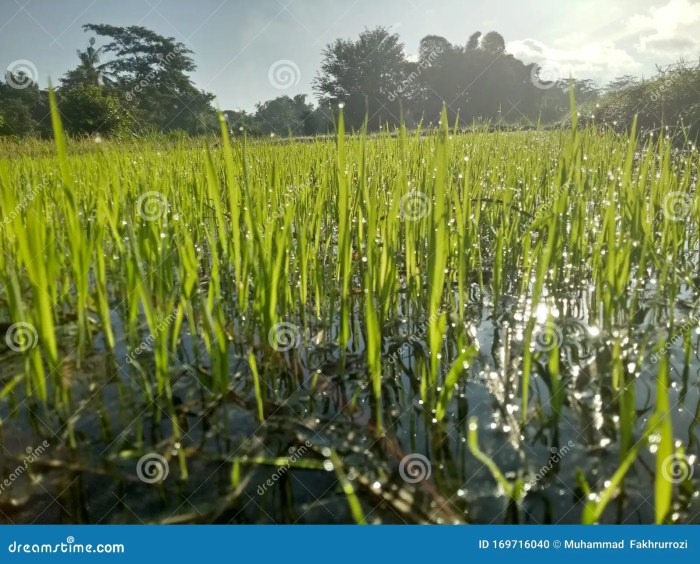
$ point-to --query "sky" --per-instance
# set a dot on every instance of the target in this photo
(250, 51)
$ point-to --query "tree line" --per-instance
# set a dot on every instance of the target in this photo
(137, 82)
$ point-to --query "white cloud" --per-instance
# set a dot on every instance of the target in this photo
(662, 32)
(597, 60)
(669, 30)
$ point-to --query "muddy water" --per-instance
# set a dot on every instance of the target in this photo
(225, 467)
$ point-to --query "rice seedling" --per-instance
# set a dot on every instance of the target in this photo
(385, 298)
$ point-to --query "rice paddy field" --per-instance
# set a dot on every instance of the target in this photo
(411, 327)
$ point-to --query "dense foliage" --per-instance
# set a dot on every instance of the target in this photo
(138, 81)
(668, 101)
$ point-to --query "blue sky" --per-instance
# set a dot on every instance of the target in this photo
(250, 51)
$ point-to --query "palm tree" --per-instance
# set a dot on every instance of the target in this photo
(89, 71)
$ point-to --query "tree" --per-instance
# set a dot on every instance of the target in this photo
(473, 42)
(88, 109)
(493, 43)
(280, 116)
(151, 73)
(89, 72)
(240, 121)
(289, 116)
(667, 100)
(320, 120)
(479, 86)
(366, 75)
(15, 117)
(584, 90)
(431, 46)
(621, 82)
(23, 110)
